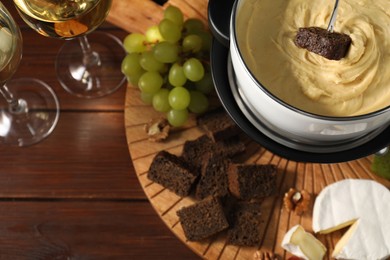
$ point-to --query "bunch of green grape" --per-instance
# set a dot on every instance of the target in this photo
(169, 63)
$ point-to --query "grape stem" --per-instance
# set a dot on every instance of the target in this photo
(186, 55)
(149, 44)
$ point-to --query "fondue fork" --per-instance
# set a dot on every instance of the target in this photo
(333, 17)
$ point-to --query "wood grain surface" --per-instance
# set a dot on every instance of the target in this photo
(139, 15)
(85, 229)
(76, 195)
(276, 221)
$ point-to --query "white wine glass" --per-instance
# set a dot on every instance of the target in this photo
(29, 110)
(91, 66)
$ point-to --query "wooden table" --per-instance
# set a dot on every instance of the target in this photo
(75, 195)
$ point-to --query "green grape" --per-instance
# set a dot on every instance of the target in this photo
(130, 82)
(130, 64)
(193, 69)
(174, 14)
(176, 75)
(193, 25)
(205, 85)
(179, 98)
(153, 34)
(166, 52)
(199, 102)
(160, 100)
(134, 42)
(170, 31)
(150, 82)
(149, 62)
(165, 69)
(192, 43)
(147, 98)
(134, 78)
(177, 117)
(206, 39)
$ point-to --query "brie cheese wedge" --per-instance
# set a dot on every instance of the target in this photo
(364, 205)
(302, 244)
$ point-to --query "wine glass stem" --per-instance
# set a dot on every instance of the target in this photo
(90, 58)
(15, 105)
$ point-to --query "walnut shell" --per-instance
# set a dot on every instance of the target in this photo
(157, 129)
(297, 201)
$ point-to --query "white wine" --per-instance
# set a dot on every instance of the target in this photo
(10, 46)
(63, 18)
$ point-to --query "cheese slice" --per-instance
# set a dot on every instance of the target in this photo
(303, 244)
(364, 205)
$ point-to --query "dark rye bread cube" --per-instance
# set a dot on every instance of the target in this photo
(213, 179)
(194, 150)
(331, 45)
(218, 125)
(245, 222)
(252, 181)
(203, 219)
(172, 172)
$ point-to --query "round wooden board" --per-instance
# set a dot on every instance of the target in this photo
(276, 221)
(134, 16)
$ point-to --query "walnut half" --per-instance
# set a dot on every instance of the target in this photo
(157, 129)
(297, 201)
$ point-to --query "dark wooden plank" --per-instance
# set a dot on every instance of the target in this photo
(86, 230)
(38, 61)
(75, 195)
(85, 157)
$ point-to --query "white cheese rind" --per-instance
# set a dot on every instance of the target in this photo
(292, 248)
(302, 244)
(363, 201)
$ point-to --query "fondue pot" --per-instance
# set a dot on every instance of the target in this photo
(283, 129)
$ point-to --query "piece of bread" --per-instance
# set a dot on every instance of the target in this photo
(245, 225)
(331, 45)
(194, 150)
(252, 181)
(172, 172)
(218, 125)
(213, 178)
(202, 219)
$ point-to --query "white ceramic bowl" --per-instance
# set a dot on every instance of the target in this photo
(293, 123)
